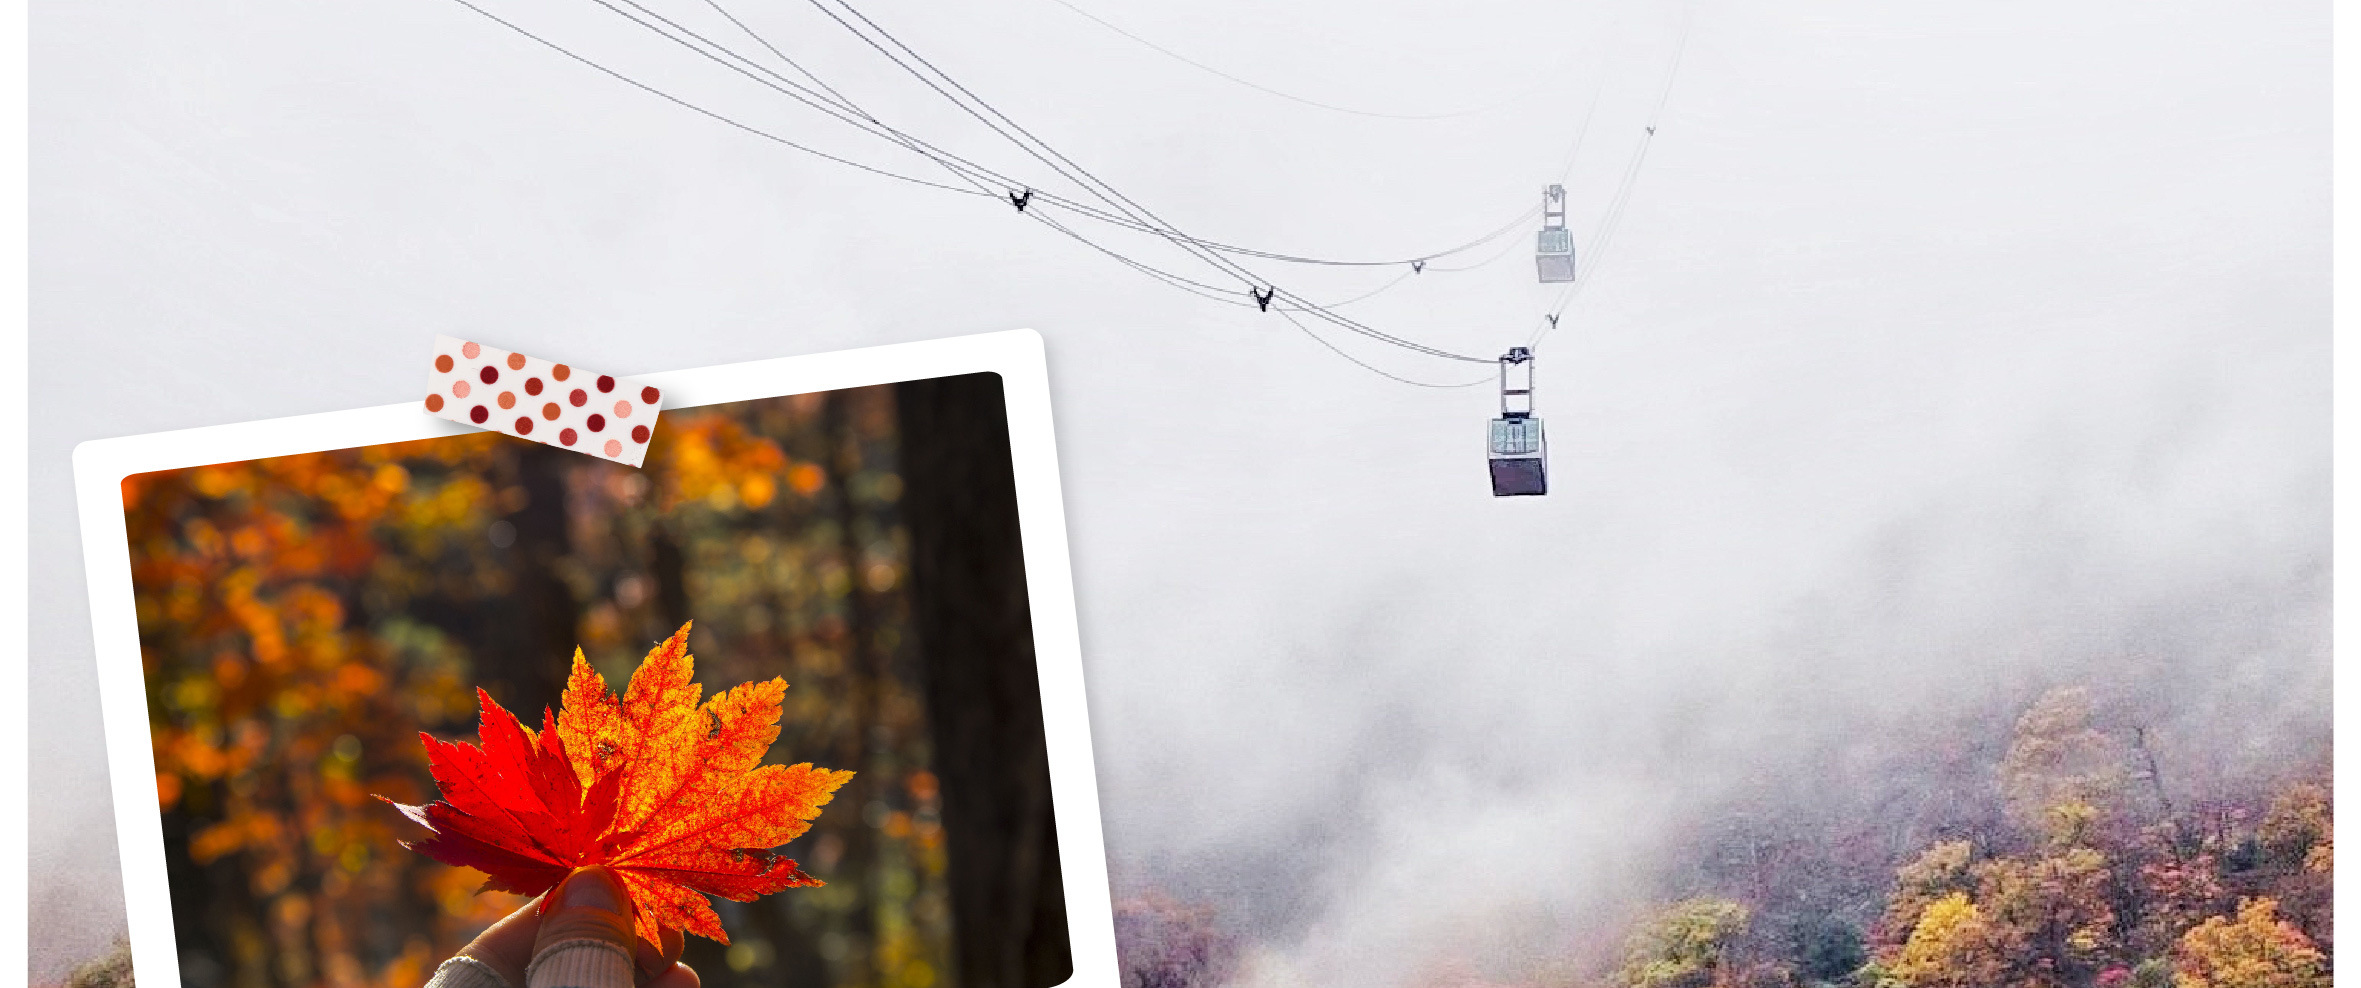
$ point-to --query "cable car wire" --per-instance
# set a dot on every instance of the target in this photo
(1134, 214)
(1060, 201)
(1372, 368)
(837, 105)
(1212, 292)
(833, 103)
(1010, 130)
(840, 100)
(1374, 292)
(1505, 250)
(984, 112)
(1144, 220)
(1612, 222)
(702, 111)
(1250, 84)
(1109, 193)
(1033, 145)
(1498, 232)
(1123, 211)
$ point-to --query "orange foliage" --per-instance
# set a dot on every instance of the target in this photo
(270, 709)
(713, 457)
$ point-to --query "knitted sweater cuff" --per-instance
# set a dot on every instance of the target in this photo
(580, 964)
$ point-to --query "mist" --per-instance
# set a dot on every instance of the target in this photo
(1944, 356)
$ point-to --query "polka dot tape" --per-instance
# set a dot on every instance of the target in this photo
(557, 404)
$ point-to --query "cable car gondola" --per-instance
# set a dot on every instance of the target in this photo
(1555, 253)
(1519, 453)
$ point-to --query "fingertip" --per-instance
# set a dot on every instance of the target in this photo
(593, 888)
(590, 904)
(653, 959)
(680, 976)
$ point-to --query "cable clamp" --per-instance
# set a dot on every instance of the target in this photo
(1263, 298)
(1020, 199)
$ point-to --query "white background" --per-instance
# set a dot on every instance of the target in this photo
(1937, 343)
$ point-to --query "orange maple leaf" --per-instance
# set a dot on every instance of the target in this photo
(669, 794)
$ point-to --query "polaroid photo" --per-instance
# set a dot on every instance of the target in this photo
(281, 608)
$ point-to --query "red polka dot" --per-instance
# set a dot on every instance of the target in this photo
(614, 448)
(605, 384)
(648, 396)
(516, 361)
(597, 423)
(478, 414)
(490, 374)
(532, 385)
(442, 363)
(469, 350)
(566, 436)
(434, 403)
(577, 397)
(639, 433)
(524, 425)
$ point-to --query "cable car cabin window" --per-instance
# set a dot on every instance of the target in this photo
(1516, 437)
(1555, 255)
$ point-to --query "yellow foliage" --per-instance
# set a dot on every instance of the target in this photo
(1953, 946)
(2255, 950)
(2300, 826)
(1682, 944)
(1940, 871)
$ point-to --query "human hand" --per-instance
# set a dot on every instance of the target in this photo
(590, 905)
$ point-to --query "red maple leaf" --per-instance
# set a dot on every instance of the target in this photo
(669, 794)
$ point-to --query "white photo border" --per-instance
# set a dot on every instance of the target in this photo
(1016, 355)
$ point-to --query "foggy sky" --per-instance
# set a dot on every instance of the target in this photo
(1941, 351)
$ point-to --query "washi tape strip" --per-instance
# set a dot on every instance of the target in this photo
(530, 398)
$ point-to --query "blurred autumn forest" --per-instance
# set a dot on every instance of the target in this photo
(2061, 861)
(303, 617)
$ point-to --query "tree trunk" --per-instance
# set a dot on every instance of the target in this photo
(860, 661)
(983, 698)
(532, 634)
